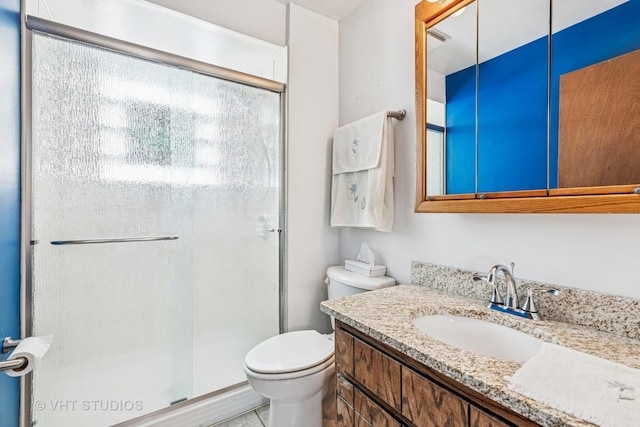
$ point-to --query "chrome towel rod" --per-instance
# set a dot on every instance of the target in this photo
(116, 240)
(400, 115)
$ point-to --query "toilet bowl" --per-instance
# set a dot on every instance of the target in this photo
(294, 369)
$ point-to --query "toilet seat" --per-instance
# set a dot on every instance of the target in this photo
(327, 364)
(289, 352)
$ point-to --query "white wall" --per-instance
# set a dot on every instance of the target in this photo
(312, 245)
(595, 252)
(262, 19)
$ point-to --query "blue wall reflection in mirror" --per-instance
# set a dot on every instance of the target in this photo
(512, 142)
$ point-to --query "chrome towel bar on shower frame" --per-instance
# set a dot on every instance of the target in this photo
(114, 240)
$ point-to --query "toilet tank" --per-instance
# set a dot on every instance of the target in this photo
(343, 283)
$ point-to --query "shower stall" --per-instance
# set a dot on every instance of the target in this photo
(153, 203)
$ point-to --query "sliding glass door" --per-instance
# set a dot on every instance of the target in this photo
(154, 194)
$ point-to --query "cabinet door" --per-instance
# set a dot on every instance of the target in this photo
(428, 405)
(368, 413)
(479, 418)
(378, 373)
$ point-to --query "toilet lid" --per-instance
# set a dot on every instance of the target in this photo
(289, 352)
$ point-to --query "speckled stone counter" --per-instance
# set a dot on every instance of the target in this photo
(387, 315)
(595, 310)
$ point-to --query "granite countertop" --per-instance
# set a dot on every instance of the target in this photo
(387, 315)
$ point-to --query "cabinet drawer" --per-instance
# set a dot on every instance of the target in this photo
(345, 389)
(426, 404)
(480, 418)
(345, 413)
(378, 373)
(344, 352)
(368, 413)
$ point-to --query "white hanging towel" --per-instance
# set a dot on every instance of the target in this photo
(362, 186)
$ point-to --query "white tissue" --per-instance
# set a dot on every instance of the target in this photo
(33, 349)
(366, 255)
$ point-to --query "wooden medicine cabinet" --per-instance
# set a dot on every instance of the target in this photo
(528, 107)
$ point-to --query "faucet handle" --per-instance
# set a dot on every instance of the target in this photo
(479, 277)
(496, 298)
(529, 305)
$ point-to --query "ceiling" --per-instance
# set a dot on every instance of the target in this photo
(335, 9)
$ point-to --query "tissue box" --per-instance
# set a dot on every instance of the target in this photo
(364, 268)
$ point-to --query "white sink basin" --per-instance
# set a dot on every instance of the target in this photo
(479, 336)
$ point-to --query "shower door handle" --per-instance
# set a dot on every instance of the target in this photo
(115, 240)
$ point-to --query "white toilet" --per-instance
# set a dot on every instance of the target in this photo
(294, 370)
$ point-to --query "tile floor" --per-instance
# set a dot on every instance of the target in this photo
(257, 418)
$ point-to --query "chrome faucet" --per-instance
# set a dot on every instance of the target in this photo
(511, 305)
(511, 301)
(496, 296)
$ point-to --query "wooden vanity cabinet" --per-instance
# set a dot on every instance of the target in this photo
(380, 387)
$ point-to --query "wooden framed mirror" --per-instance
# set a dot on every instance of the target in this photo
(536, 110)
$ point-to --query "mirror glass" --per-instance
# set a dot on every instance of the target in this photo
(451, 104)
(506, 118)
(512, 95)
(595, 82)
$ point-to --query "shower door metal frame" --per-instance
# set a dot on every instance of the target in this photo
(31, 24)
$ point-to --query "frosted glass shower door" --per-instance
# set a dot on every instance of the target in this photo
(127, 148)
(235, 255)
